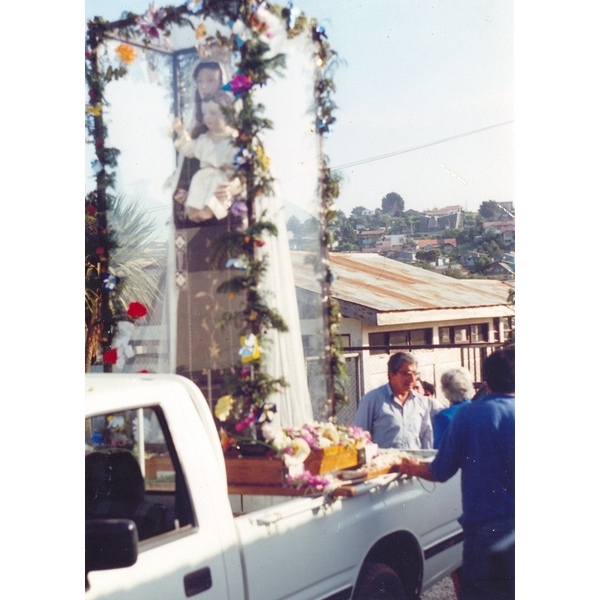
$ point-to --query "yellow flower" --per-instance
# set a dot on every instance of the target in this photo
(93, 110)
(126, 53)
(200, 31)
(223, 407)
(263, 160)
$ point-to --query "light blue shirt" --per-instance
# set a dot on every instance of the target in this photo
(392, 425)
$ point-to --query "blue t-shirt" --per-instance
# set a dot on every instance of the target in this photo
(441, 421)
(480, 440)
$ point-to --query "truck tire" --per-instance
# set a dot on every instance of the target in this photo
(378, 581)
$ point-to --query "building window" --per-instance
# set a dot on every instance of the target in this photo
(464, 334)
(479, 333)
(461, 334)
(380, 342)
(444, 334)
(345, 340)
(509, 328)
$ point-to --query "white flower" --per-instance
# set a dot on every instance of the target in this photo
(330, 432)
(299, 449)
(267, 414)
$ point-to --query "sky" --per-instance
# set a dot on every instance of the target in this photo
(430, 85)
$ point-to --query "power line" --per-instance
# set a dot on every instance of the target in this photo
(448, 139)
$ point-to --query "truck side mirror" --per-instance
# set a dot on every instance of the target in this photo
(109, 544)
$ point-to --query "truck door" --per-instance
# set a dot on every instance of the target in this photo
(133, 472)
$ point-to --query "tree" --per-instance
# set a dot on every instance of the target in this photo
(294, 226)
(490, 210)
(136, 247)
(358, 211)
(481, 262)
(392, 204)
(428, 255)
(310, 227)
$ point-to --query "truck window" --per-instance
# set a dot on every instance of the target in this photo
(132, 472)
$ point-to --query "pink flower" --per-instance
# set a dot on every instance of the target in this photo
(239, 85)
(307, 479)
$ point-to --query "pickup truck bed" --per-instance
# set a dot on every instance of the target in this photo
(220, 545)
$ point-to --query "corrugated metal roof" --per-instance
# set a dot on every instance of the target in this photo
(383, 284)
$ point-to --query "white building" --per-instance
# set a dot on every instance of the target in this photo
(387, 304)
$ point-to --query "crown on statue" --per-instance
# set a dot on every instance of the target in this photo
(214, 50)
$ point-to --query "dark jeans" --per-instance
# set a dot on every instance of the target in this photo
(488, 571)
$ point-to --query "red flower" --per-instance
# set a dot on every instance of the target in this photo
(110, 356)
(91, 210)
(99, 250)
(136, 310)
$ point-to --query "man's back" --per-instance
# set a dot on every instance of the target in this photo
(480, 440)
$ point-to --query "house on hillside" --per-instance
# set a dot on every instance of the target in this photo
(509, 258)
(450, 217)
(367, 238)
(386, 304)
(508, 233)
(500, 269)
(445, 245)
(506, 229)
(469, 259)
(390, 243)
(405, 256)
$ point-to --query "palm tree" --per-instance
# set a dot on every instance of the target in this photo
(135, 249)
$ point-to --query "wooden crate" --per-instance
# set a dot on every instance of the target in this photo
(330, 459)
(255, 471)
(158, 462)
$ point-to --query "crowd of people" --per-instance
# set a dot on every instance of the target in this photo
(473, 433)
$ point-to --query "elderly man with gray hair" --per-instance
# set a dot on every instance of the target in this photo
(457, 386)
(394, 414)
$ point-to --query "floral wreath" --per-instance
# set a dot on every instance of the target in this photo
(249, 21)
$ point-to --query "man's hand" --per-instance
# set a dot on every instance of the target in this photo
(406, 466)
(414, 468)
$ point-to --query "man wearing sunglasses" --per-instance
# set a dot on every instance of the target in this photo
(394, 413)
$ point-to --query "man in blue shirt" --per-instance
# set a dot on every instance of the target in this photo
(394, 414)
(480, 441)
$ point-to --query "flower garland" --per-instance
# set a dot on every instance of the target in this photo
(249, 22)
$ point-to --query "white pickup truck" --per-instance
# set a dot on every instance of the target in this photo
(170, 529)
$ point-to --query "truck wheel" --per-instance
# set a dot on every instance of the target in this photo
(378, 581)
